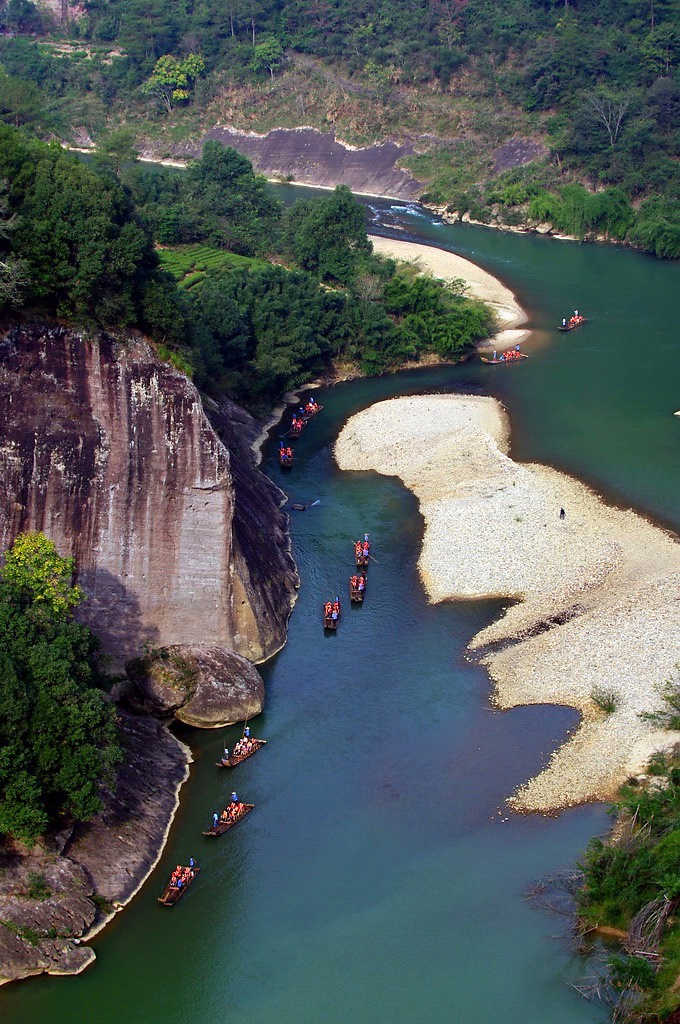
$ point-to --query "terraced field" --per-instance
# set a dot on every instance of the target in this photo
(189, 264)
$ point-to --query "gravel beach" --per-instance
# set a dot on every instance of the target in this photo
(596, 594)
(481, 285)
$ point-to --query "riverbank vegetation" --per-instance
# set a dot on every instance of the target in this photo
(505, 104)
(58, 736)
(254, 299)
(632, 885)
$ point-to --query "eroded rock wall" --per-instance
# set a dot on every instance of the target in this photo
(108, 451)
(318, 158)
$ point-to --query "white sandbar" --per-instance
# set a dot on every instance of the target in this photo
(481, 285)
(597, 592)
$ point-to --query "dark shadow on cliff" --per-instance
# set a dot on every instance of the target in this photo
(113, 614)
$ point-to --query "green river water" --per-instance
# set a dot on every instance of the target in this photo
(379, 878)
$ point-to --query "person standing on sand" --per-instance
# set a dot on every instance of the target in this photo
(562, 514)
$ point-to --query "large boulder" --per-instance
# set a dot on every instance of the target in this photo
(203, 686)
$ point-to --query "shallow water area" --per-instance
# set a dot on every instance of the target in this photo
(380, 877)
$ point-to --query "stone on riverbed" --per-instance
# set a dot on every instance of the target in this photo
(204, 686)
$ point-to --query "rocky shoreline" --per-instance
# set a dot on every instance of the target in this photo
(178, 538)
(57, 896)
(596, 618)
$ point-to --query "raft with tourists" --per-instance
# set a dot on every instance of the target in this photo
(331, 614)
(180, 880)
(311, 409)
(513, 355)
(230, 816)
(362, 553)
(297, 425)
(357, 588)
(244, 748)
(285, 456)
(574, 321)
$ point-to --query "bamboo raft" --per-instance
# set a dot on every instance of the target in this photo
(328, 621)
(173, 893)
(356, 593)
(512, 356)
(573, 323)
(223, 826)
(361, 560)
(235, 759)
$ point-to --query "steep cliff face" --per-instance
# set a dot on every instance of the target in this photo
(108, 451)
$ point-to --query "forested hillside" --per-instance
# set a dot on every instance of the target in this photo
(590, 84)
(251, 298)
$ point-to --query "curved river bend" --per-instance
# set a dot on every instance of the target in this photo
(380, 879)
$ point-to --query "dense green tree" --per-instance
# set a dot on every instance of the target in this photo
(657, 227)
(84, 249)
(230, 205)
(58, 741)
(328, 236)
(267, 55)
(118, 147)
(148, 29)
(20, 101)
(172, 78)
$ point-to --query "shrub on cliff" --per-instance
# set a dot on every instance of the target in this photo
(57, 730)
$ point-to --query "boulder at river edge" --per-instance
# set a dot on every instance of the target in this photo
(204, 686)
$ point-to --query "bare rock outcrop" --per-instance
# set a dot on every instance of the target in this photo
(516, 153)
(55, 894)
(108, 451)
(318, 158)
(205, 687)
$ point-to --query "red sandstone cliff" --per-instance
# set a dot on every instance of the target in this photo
(109, 452)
